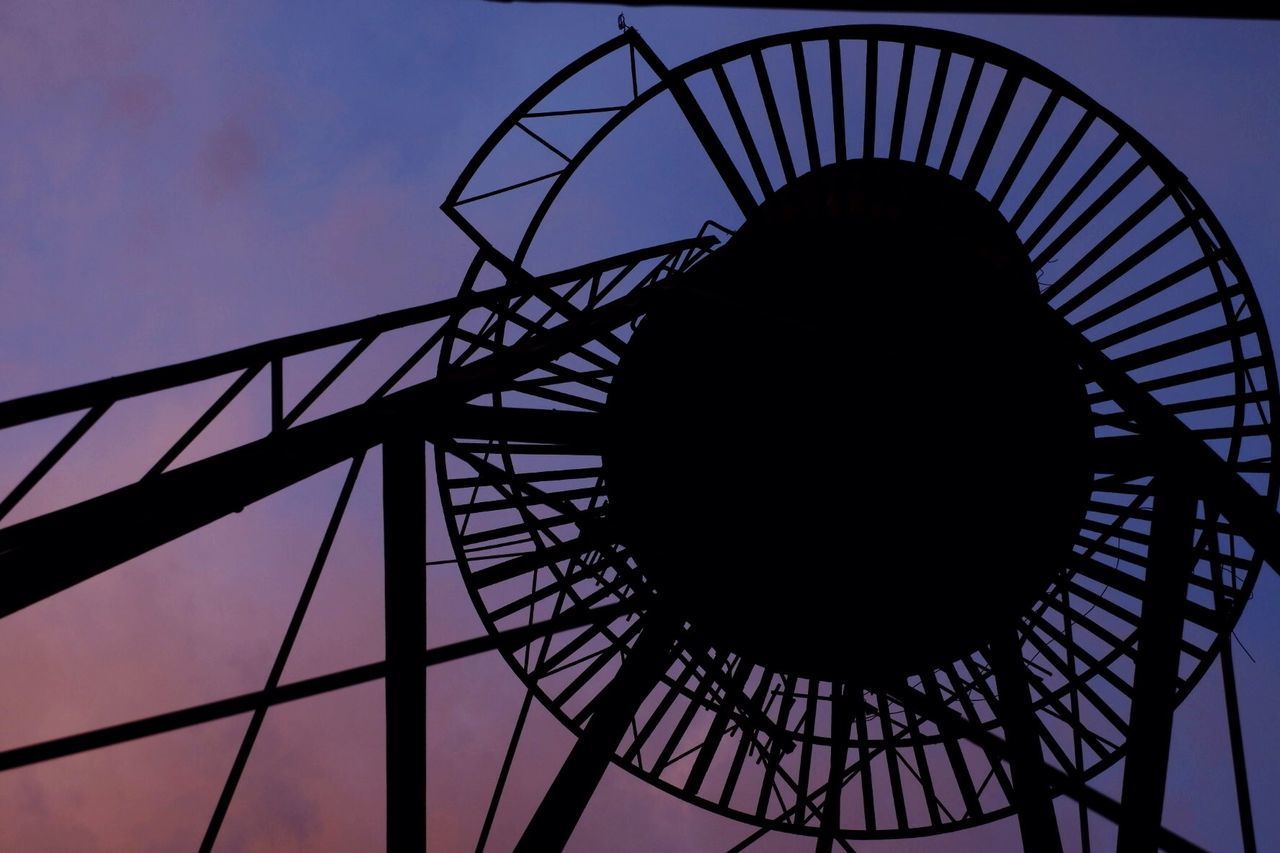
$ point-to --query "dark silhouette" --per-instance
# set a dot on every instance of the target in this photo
(865, 359)
(961, 437)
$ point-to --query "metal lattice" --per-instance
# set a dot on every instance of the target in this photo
(1135, 282)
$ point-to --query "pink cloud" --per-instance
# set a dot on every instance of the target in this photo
(231, 157)
(137, 100)
(50, 45)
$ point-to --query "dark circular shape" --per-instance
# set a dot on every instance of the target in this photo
(747, 488)
(1121, 248)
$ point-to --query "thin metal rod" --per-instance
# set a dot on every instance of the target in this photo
(282, 658)
(51, 458)
(78, 397)
(806, 106)
(837, 99)
(328, 379)
(836, 768)
(900, 102)
(775, 118)
(508, 188)
(962, 115)
(935, 102)
(218, 709)
(578, 112)
(864, 759)
(277, 393)
(1051, 171)
(869, 99)
(1247, 836)
(507, 761)
(193, 432)
(744, 132)
(991, 130)
(1024, 150)
(540, 139)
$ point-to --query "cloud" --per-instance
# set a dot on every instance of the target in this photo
(230, 157)
(137, 100)
(48, 46)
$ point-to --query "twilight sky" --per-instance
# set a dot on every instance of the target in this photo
(180, 178)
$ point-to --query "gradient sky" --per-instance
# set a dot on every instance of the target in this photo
(180, 178)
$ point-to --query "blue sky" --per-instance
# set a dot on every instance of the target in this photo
(177, 179)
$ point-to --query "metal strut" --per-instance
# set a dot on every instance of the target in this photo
(615, 708)
(404, 509)
(1036, 818)
(1155, 676)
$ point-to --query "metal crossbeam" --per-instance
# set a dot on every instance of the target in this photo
(40, 559)
(1175, 448)
(169, 721)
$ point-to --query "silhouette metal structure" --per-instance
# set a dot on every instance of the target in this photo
(913, 498)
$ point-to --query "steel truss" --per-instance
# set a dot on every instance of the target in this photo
(1180, 519)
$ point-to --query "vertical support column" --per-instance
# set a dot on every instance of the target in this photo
(1247, 836)
(1170, 561)
(840, 722)
(615, 708)
(1081, 809)
(1037, 820)
(1231, 698)
(404, 514)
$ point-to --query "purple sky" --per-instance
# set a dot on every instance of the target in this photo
(180, 178)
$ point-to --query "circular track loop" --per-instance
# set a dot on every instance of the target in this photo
(1119, 245)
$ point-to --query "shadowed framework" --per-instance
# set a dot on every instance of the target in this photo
(957, 433)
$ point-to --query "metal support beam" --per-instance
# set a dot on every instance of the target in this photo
(404, 511)
(1244, 804)
(47, 554)
(1171, 445)
(1170, 562)
(840, 723)
(38, 558)
(952, 723)
(220, 709)
(106, 392)
(615, 708)
(1033, 800)
(282, 660)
